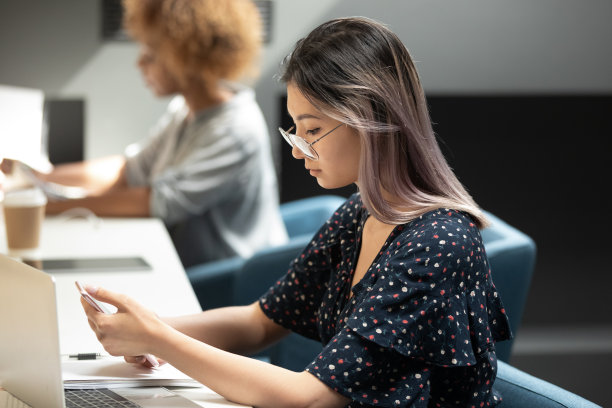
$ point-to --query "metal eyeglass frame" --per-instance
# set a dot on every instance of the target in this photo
(301, 143)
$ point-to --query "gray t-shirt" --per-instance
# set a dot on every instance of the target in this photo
(212, 179)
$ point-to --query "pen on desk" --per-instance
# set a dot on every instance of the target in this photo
(85, 356)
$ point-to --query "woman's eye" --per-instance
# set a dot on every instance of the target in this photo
(313, 132)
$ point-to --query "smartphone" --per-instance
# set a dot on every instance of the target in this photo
(93, 302)
(102, 309)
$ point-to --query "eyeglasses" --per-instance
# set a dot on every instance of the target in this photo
(301, 143)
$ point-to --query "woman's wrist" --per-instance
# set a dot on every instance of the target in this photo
(160, 338)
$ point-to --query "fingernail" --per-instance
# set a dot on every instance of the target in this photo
(91, 289)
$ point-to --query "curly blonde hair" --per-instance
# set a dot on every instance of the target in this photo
(199, 40)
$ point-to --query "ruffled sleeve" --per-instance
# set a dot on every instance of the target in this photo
(430, 296)
(371, 375)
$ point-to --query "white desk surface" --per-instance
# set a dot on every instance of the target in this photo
(165, 289)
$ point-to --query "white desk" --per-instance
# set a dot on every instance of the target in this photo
(165, 289)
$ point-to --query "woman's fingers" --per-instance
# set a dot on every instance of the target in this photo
(107, 296)
(6, 166)
(135, 359)
(89, 311)
(142, 360)
(123, 332)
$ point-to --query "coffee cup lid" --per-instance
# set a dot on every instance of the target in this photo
(31, 197)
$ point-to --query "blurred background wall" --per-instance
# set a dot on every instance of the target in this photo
(520, 92)
(468, 47)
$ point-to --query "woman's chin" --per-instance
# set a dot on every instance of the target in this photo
(326, 184)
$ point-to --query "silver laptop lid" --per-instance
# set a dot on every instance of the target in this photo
(30, 366)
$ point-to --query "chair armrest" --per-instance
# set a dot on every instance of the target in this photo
(519, 390)
(264, 268)
(213, 282)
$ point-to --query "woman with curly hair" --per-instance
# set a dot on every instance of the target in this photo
(206, 170)
(396, 285)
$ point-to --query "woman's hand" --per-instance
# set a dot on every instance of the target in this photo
(129, 332)
(7, 166)
(142, 360)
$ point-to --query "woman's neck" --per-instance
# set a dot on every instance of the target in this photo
(200, 98)
(395, 202)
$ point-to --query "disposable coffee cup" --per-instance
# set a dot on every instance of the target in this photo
(24, 212)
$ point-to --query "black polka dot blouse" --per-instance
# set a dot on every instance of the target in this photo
(420, 327)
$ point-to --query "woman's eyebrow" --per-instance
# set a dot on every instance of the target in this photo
(306, 116)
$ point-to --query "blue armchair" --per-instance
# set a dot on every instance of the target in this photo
(213, 282)
(305, 216)
(521, 390)
(512, 256)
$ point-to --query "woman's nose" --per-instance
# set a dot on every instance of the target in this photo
(140, 62)
(297, 153)
(144, 59)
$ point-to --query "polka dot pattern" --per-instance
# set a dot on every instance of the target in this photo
(419, 329)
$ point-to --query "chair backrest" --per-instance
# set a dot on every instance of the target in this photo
(260, 271)
(302, 219)
(214, 282)
(306, 215)
(512, 256)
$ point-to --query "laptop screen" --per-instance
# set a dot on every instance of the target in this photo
(30, 365)
(22, 126)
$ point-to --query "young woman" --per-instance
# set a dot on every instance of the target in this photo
(206, 169)
(396, 285)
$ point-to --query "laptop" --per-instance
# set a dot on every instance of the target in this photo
(30, 361)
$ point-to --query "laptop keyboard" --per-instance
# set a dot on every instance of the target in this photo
(95, 398)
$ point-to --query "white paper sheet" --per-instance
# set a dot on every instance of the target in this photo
(114, 372)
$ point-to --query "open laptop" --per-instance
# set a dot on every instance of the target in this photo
(30, 361)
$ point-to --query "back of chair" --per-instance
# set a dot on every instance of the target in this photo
(263, 269)
(306, 215)
(512, 256)
(214, 282)
(302, 219)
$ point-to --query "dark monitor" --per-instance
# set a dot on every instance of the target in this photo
(65, 129)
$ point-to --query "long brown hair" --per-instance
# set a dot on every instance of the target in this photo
(357, 71)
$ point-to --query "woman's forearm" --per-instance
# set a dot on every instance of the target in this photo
(134, 331)
(108, 192)
(203, 347)
(241, 379)
(119, 202)
(237, 329)
(95, 175)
